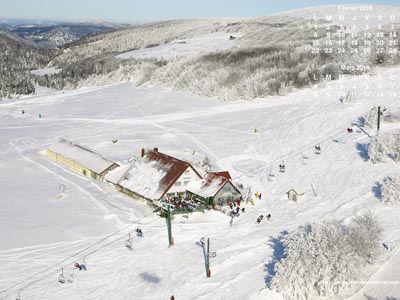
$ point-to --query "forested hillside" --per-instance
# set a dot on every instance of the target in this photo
(16, 59)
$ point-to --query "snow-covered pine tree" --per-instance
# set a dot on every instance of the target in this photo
(383, 146)
(206, 164)
(365, 233)
(371, 117)
(377, 150)
(321, 259)
(391, 190)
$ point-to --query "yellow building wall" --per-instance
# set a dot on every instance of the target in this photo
(71, 164)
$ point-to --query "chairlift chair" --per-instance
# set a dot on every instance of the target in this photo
(70, 278)
(128, 242)
(19, 296)
(318, 149)
(282, 167)
(61, 278)
(139, 232)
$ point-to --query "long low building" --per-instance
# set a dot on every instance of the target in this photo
(81, 159)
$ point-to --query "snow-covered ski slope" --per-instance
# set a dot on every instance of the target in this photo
(184, 48)
(42, 227)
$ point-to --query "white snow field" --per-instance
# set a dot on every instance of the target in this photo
(45, 228)
(185, 47)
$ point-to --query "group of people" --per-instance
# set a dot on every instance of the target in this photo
(261, 217)
(235, 208)
(178, 202)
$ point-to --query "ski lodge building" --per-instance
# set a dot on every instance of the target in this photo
(214, 189)
(154, 176)
(80, 159)
(157, 178)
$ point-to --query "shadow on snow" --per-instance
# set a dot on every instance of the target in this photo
(363, 151)
(279, 253)
(150, 277)
(377, 190)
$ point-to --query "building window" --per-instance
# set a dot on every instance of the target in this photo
(186, 183)
(178, 183)
(84, 172)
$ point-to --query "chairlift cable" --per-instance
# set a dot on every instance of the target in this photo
(64, 260)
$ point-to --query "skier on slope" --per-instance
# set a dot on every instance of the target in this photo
(80, 267)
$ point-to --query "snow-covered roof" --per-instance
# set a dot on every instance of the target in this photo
(116, 175)
(154, 174)
(294, 191)
(210, 185)
(81, 155)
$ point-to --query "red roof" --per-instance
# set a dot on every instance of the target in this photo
(171, 166)
(223, 174)
(212, 183)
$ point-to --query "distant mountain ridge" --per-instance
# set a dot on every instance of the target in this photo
(51, 34)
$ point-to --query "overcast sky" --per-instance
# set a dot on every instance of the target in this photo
(152, 10)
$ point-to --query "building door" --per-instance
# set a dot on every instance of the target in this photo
(84, 172)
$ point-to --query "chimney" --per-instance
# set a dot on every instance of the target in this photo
(155, 149)
(143, 152)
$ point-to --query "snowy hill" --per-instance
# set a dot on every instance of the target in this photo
(234, 59)
(48, 228)
(52, 217)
